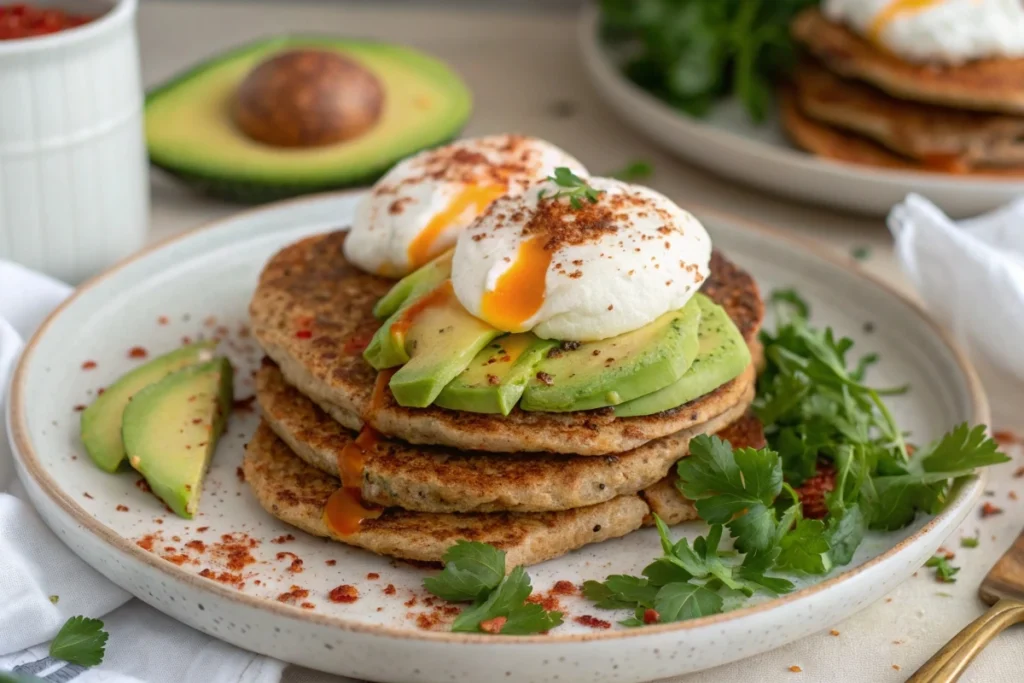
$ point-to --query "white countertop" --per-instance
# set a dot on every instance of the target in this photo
(523, 67)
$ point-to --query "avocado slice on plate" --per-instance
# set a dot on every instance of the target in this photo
(171, 430)
(615, 370)
(722, 356)
(496, 378)
(418, 282)
(226, 126)
(101, 421)
(441, 338)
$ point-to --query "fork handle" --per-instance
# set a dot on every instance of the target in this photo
(949, 662)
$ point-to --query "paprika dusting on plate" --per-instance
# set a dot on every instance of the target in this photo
(25, 21)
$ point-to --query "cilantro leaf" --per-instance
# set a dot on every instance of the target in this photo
(510, 594)
(805, 548)
(80, 641)
(681, 601)
(754, 568)
(632, 589)
(723, 481)
(663, 571)
(530, 618)
(604, 597)
(944, 571)
(471, 571)
(577, 188)
(845, 533)
(963, 448)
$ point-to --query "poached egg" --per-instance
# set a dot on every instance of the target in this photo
(943, 31)
(534, 262)
(420, 206)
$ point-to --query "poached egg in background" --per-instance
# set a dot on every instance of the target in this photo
(417, 210)
(944, 31)
(534, 262)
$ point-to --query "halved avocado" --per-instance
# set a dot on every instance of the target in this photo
(191, 131)
(101, 421)
(171, 430)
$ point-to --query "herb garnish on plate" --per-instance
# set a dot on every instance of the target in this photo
(80, 641)
(576, 189)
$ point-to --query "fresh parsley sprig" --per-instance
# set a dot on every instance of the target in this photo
(475, 572)
(576, 189)
(80, 641)
(944, 571)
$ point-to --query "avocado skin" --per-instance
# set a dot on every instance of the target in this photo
(615, 370)
(474, 394)
(101, 421)
(244, 189)
(722, 357)
(154, 447)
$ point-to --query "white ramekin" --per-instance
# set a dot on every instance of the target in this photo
(74, 188)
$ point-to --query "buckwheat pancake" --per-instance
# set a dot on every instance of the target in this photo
(297, 493)
(443, 479)
(312, 314)
(984, 85)
(939, 137)
(664, 498)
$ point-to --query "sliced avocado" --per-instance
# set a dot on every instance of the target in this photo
(171, 430)
(619, 369)
(387, 348)
(101, 421)
(414, 284)
(441, 338)
(496, 378)
(722, 356)
(191, 132)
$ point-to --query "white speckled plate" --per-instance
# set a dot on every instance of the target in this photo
(200, 285)
(728, 143)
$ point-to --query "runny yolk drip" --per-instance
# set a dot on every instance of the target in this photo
(893, 10)
(437, 296)
(472, 200)
(519, 292)
(345, 510)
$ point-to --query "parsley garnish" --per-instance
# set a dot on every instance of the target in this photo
(636, 170)
(970, 541)
(80, 641)
(944, 571)
(576, 190)
(815, 408)
(475, 572)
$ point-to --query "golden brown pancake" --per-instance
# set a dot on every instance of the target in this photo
(443, 479)
(312, 314)
(297, 493)
(664, 498)
(938, 137)
(983, 85)
(839, 145)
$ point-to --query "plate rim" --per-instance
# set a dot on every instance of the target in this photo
(24, 451)
(595, 57)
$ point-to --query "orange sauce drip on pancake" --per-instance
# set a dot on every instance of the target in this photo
(895, 9)
(345, 510)
(472, 201)
(519, 292)
(435, 297)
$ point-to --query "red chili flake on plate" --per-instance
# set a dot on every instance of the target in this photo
(564, 588)
(87, 495)
(122, 508)
(390, 589)
(493, 625)
(224, 577)
(293, 596)
(651, 616)
(988, 509)
(307, 605)
(137, 352)
(79, 408)
(795, 669)
(303, 334)
(186, 340)
(833, 632)
(146, 542)
(548, 602)
(163, 320)
(143, 485)
(240, 473)
(210, 321)
(197, 546)
(411, 602)
(1005, 437)
(89, 365)
(283, 539)
(1012, 495)
(344, 593)
(373, 576)
(202, 529)
(592, 622)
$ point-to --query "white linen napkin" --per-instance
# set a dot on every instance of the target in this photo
(970, 274)
(34, 565)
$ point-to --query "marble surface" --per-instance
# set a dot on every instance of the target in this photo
(526, 76)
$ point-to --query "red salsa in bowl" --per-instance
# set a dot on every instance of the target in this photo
(20, 20)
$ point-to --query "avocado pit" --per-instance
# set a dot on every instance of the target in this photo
(307, 98)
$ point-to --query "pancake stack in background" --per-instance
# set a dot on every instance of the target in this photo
(338, 455)
(911, 84)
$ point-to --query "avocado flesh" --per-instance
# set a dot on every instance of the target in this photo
(101, 421)
(722, 357)
(496, 378)
(415, 283)
(171, 430)
(442, 340)
(615, 370)
(190, 133)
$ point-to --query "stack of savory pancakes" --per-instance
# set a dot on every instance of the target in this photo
(414, 480)
(919, 84)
